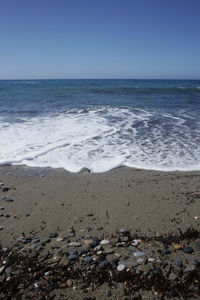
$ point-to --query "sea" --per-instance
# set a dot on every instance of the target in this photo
(100, 124)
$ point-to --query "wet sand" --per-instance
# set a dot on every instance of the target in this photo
(148, 201)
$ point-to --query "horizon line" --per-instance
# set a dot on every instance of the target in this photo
(99, 78)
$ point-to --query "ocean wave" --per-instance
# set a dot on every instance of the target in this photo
(104, 138)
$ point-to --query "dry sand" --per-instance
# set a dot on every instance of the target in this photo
(122, 198)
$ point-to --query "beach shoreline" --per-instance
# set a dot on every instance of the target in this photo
(136, 199)
(78, 224)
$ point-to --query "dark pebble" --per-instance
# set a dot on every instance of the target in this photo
(7, 199)
(124, 231)
(1, 228)
(166, 251)
(7, 216)
(103, 264)
(88, 259)
(46, 241)
(73, 257)
(188, 249)
(89, 214)
(72, 252)
(35, 241)
(27, 215)
(2, 208)
(1, 215)
(108, 293)
(53, 235)
(178, 262)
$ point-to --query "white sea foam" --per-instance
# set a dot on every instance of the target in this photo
(102, 139)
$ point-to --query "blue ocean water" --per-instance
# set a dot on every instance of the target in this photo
(101, 124)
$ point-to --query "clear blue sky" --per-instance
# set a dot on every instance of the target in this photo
(99, 39)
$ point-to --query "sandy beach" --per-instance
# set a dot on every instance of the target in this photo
(41, 201)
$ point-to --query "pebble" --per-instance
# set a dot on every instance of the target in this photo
(7, 216)
(1, 215)
(69, 282)
(27, 215)
(105, 242)
(121, 267)
(72, 252)
(73, 257)
(109, 251)
(177, 247)
(103, 264)
(88, 259)
(75, 244)
(2, 208)
(166, 251)
(89, 214)
(178, 262)
(35, 241)
(59, 239)
(150, 259)
(188, 249)
(53, 235)
(138, 253)
(124, 231)
(1, 228)
(1, 184)
(7, 199)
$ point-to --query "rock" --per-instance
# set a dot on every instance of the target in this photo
(75, 244)
(128, 263)
(89, 214)
(88, 259)
(1, 215)
(1, 228)
(188, 249)
(121, 267)
(103, 264)
(27, 215)
(178, 262)
(124, 231)
(144, 268)
(177, 246)
(69, 282)
(7, 199)
(109, 251)
(35, 240)
(150, 259)
(139, 253)
(157, 270)
(72, 252)
(158, 234)
(196, 261)
(59, 239)
(189, 268)
(53, 235)
(73, 257)
(166, 251)
(105, 242)
(1, 183)
(2, 208)
(7, 216)
(33, 254)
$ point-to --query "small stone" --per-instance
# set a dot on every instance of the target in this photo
(7, 216)
(27, 215)
(89, 214)
(7, 199)
(72, 252)
(1, 228)
(53, 235)
(105, 242)
(88, 259)
(73, 257)
(46, 241)
(157, 270)
(33, 254)
(2, 208)
(158, 234)
(35, 241)
(1, 215)
(124, 231)
(69, 282)
(150, 259)
(166, 251)
(59, 239)
(88, 241)
(5, 249)
(1, 184)
(197, 245)
(189, 268)
(75, 244)
(121, 267)
(139, 253)
(109, 251)
(177, 246)
(188, 249)
(178, 262)
(34, 246)
(103, 264)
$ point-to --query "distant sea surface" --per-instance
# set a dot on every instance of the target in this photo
(100, 124)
